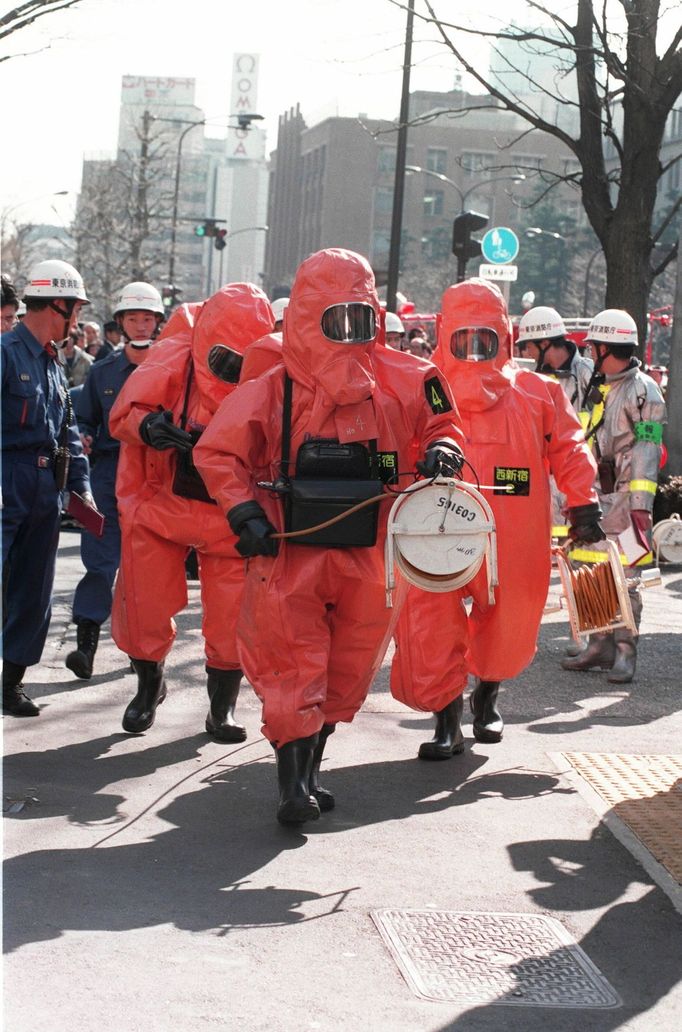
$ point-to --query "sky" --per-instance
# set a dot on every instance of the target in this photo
(333, 56)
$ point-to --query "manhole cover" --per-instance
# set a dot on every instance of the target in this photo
(524, 960)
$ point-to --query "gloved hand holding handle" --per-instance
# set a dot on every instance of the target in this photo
(159, 432)
(442, 458)
(584, 524)
(249, 522)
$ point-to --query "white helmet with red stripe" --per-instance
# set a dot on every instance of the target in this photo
(541, 323)
(613, 327)
(54, 278)
(139, 297)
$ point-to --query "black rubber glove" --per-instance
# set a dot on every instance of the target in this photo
(442, 458)
(584, 524)
(249, 522)
(158, 431)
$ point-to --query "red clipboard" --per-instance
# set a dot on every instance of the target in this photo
(87, 515)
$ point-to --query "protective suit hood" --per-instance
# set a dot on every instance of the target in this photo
(343, 372)
(235, 316)
(182, 320)
(474, 303)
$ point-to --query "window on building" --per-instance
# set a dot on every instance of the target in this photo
(477, 163)
(381, 245)
(433, 202)
(523, 162)
(386, 162)
(437, 160)
(383, 200)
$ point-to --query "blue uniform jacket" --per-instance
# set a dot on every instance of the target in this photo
(33, 402)
(94, 403)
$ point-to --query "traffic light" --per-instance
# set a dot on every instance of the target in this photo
(170, 296)
(207, 228)
(463, 247)
(220, 241)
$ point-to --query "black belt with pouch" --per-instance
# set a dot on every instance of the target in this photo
(330, 479)
(187, 482)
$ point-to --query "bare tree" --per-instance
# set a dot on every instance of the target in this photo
(23, 15)
(123, 217)
(624, 94)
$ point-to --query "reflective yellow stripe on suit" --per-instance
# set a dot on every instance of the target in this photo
(586, 555)
(644, 485)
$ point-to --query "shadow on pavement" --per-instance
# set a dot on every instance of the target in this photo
(584, 876)
(196, 875)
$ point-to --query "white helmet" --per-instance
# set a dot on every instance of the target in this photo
(393, 323)
(139, 297)
(541, 324)
(614, 327)
(54, 278)
(278, 306)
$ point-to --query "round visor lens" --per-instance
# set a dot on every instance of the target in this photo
(474, 344)
(225, 363)
(350, 323)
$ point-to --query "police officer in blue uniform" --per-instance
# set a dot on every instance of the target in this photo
(139, 312)
(41, 456)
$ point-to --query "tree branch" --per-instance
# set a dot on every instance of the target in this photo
(29, 12)
(665, 262)
(507, 102)
(667, 220)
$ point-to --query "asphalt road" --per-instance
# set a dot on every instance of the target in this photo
(148, 886)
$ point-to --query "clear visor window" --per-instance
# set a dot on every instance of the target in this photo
(225, 363)
(350, 323)
(474, 344)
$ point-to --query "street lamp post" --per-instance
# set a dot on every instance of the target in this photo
(176, 194)
(244, 120)
(463, 194)
(399, 182)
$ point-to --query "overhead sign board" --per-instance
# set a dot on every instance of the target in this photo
(499, 272)
(500, 245)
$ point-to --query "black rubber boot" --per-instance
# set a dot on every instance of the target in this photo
(81, 659)
(325, 799)
(15, 702)
(223, 690)
(448, 739)
(488, 724)
(151, 691)
(599, 654)
(625, 662)
(294, 764)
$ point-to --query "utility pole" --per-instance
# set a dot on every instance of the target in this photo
(399, 183)
(141, 213)
(673, 431)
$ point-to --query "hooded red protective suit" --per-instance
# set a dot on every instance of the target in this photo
(518, 426)
(158, 526)
(314, 626)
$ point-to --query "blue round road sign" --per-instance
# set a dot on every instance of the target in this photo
(500, 245)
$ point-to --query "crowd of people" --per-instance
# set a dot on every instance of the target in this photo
(242, 430)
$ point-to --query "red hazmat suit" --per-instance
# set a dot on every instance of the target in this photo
(518, 427)
(314, 626)
(158, 526)
(262, 355)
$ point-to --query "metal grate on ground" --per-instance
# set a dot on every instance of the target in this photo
(521, 960)
(645, 793)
